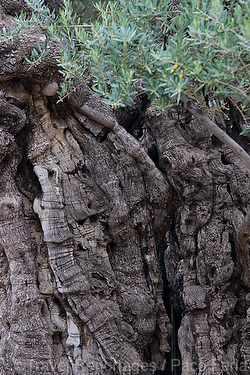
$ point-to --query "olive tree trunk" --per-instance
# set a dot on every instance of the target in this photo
(123, 236)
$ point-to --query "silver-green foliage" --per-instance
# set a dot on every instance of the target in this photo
(143, 46)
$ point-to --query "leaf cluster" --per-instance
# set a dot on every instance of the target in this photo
(143, 46)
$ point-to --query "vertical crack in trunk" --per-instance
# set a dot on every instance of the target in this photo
(28, 329)
(87, 202)
(75, 295)
(200, 267)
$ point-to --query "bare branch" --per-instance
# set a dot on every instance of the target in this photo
(216, 130)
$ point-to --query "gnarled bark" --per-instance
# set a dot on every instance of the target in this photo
(87, 207)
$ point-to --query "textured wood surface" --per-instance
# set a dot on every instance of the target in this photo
(98, 208)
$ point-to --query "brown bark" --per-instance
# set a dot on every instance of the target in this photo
(216, 130)
(87, 209)
(204, 262)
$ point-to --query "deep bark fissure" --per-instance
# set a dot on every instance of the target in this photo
(84, 208)
(180, 255)
(172, 363)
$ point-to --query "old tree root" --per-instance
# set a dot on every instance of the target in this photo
(93, 217)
